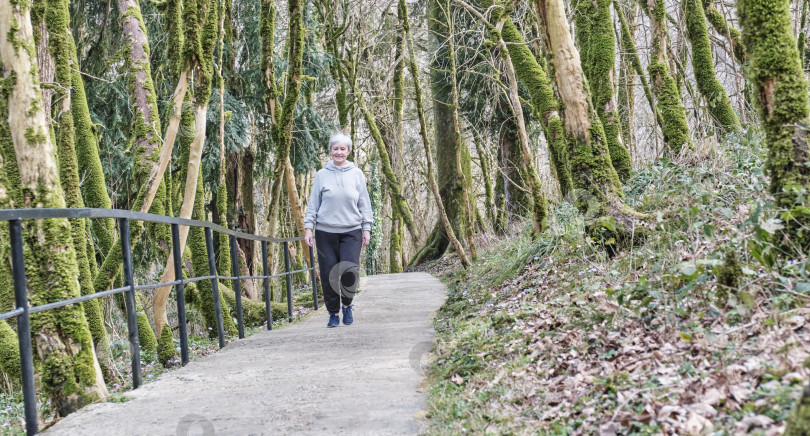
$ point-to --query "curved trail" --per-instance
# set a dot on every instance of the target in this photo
(302, 379)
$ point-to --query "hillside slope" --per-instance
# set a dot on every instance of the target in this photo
(699, 328)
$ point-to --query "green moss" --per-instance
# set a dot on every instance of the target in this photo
(673, 115)
(629, 45)
(598, 56)
(254, 313)
(199, 261)
(703, 66)
(395, 188)
(224, 252)
(176, 38)
(716, 19)
(729, 276)
(87, 155)
(165, 349)
(546, 105)
(781, 90)
(10, 354)
(798, 423)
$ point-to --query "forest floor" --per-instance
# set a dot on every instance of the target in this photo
(301, 379)
(553, 336)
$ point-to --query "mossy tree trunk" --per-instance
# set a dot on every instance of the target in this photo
(423, 132)
(539, 206)
(627, 76)
(629, 46)
(451, 150)
(463, 158)
(61, 46)
(70, 373)
(599, 193)
(597, 42)
(781, 90)
(664, 87)
(391, 179)
(334, 33)
(537, 80)
(703, 66)
(719, 24)
(283, 120)
(398, 147)
(486, 175)
(9, 346)
(201, 34)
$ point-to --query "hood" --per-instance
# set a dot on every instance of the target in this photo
(339, 170)
(342, 169)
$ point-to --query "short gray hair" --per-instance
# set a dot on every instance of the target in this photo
(340, 138)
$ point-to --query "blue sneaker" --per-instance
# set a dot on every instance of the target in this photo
(347, 315)
(334, 320)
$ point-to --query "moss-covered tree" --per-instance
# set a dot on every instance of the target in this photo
(536, 78)
(673, 115)
(402, 9)
(629, 45)
(781, 90)
(597, 42)
(70, 374)
(283, 120)
(200, 25)
(599, 193)
(451, 149)
(719, 23)
(703, 65)
(61, 47)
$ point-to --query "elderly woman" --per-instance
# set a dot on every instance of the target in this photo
(340, 212)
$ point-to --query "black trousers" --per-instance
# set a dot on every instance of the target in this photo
(339, 259)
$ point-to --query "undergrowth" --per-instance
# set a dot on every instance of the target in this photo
(553, 336)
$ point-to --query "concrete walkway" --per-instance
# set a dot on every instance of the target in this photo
(302, 379)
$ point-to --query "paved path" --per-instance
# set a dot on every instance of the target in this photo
(303, 379)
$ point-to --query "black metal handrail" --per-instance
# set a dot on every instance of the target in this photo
(22, 312)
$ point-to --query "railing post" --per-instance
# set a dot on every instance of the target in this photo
(314, 276)
(129, 299)
(237, 287)
(268, 307)
(212, 267)
(23, 328)
(181, 297)
(289, 280)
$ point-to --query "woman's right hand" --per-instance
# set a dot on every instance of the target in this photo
(308, 236)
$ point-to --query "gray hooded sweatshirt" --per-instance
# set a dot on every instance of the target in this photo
(339, 200)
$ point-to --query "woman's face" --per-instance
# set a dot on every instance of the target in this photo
(339, 153)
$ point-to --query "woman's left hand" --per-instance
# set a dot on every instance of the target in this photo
(366, 237)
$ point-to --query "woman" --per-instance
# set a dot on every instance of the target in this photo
(340, 212)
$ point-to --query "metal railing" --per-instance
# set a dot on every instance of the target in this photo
(22, 312)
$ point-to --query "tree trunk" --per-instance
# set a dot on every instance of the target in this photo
(629, 45)
(451, 150)
(391, 179)
(719, 23)
(627, 77)
(600, 197)
(703, 66)
(546, 105)
(420, 109)
(282, 131)
(597, 42)
(9, 345)
(670, 106)
(71, 376)
(61, 46)
(781, 90)
(201, 63)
